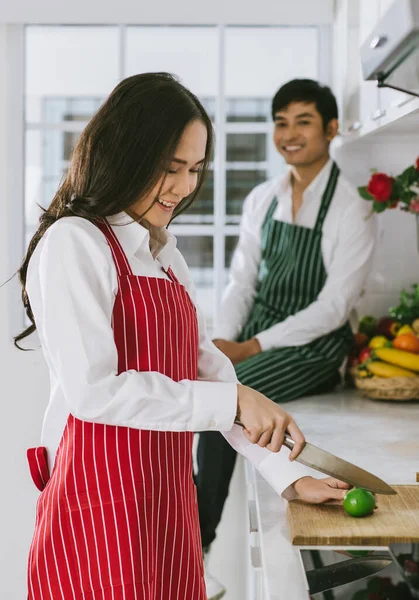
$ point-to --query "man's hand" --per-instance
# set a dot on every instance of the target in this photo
(238, 351)
(317, 491)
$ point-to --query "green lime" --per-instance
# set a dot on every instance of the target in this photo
(359, 502)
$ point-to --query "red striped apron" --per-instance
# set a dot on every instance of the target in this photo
(118, 519)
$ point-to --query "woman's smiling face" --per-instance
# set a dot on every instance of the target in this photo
(178, 182)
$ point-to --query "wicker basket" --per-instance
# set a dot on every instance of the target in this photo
(393, 388)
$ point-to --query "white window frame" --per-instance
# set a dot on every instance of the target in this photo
(218, 230)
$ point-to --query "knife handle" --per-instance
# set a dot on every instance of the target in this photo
(288, 441)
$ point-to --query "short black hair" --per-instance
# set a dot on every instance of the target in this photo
(308, 91)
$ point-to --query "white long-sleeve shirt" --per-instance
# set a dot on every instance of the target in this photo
(72, 284)
(348, 241)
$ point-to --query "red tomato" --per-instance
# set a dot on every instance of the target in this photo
(364, 354)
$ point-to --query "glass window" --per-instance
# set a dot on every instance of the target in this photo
(248, 110)
(198, 252)
(246, 147)
(191, 53)
(70, 70)
(239, 184)
(68, 61)
(202, 210)
(259, 60)
(230, 246)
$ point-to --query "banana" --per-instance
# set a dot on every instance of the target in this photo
(407, 360)
(381, 369)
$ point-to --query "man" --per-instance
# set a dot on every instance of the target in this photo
(303, 257)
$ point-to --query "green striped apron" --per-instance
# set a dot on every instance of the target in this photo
(291, 276)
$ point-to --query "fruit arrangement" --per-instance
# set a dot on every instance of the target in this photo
(385, 359)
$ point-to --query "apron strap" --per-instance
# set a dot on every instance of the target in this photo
(270, 212)
(171, 275)
(38, 466)
(120, 259)
(327, 197)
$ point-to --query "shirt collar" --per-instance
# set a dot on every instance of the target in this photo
(134, 238)
(316, 186)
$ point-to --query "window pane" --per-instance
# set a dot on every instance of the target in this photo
(191, 53)
(202, 210)
(57, 110)
(198, 252)
(230, 245)
(69, 62)
(248, 110)
(46, 162)
(246, 147)
(239, 184)
(262, 59)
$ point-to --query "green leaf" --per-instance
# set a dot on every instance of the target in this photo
(409, 176)
(379, 207)
(362, 191)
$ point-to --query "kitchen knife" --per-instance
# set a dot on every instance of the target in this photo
(347, 571)
(327, 463)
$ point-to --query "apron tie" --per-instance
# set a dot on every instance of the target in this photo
(38, 466)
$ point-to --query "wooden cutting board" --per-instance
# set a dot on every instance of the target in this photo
(395, 520)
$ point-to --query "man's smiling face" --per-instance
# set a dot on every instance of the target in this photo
(300, 135)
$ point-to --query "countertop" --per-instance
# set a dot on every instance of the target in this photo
(382, 437)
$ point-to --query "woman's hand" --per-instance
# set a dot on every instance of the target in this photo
(264, 422)
(317, 491)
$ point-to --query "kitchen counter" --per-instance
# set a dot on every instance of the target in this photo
(381, 437)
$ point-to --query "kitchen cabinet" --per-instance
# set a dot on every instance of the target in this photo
(362, 105)
(369, 97)
(380, 437)
(388, 98)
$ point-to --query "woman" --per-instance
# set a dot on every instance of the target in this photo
(133, 372)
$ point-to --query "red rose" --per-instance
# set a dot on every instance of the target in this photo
(380, 187)
(417, 164)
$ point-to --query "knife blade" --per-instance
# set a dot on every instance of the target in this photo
(347, 571)
(332, 465)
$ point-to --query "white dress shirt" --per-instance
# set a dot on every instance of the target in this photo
(348, 241)
(72, 284)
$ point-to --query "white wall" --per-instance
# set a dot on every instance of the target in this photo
(162, 11)
(396, 264)
(24, 384)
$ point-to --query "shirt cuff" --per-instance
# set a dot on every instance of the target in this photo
(215, 406)
(275, 467)
(281, 473)
(267, 340)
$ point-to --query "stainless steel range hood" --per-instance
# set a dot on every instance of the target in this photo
(390, 54)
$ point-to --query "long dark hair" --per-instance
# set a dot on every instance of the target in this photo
(121, 155)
